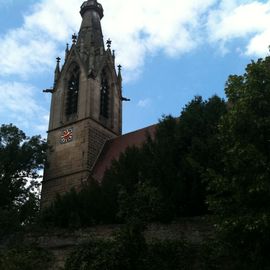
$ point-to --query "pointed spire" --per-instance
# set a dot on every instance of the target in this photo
(113, 57)
(67, 51)
(90, 43)
(57, 70)
(119, 71)
(119, 76)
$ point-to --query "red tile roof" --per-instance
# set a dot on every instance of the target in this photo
(114, 147)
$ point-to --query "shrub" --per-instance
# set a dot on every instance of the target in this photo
(128, 250)
(25, 258)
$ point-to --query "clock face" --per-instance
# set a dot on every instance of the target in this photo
(67, 135)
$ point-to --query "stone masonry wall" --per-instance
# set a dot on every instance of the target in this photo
(62, 242)
(98, 135)
(70, 163)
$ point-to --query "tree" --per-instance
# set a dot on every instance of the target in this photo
(163, 179)
(171, 168)
(181, 153)
(240, 187)
(77, 209)
(21, 159)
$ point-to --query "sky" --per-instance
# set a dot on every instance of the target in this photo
(170, 51)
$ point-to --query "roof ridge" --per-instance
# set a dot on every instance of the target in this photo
(134, 131)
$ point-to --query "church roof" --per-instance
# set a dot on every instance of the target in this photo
(114, 147)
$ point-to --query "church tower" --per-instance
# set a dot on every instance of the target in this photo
(86, 106)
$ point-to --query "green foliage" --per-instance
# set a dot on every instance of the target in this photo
(21, 159)
(240, 189)
(95, 255)
(213, 256)
(213, 150)
(188, 154)
(25, 258)
(125, 251)
(163, 179)
(145, 203)
(129, 251)
(75, 210)
(170, 255)
(173, 165)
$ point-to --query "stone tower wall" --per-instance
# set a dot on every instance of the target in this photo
(98, 135)
(70, 163)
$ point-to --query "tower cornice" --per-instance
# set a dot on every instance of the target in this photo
(92, 5)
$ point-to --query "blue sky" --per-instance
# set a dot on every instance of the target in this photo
(170, 51)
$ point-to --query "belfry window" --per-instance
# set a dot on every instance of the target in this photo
(104, 96)
(73, 91)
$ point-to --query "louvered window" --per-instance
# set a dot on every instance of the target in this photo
(73, 91)
(104, 96)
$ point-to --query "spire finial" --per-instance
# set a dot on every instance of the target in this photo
(74, 38)
(119, 68)
(113, 57)
(119, 74)
(57, 71)
(109, 43)
(67, 51)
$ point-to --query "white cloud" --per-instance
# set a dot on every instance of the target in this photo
(241, 19)
(138, 29)
(144, 103)
(141, 28)
(259, 44)
(43, 125)
(19, 105)
(21, 54)
(54, 18)
(33, 47)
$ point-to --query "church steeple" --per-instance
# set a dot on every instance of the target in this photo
(86, 107)
(90, 42)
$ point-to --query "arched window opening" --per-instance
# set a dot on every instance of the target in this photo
(104, 96)
(73, 91)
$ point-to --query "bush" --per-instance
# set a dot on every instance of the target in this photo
(170, 255)
(95, 255)
(25, 258)
(76, 209)
(128, 250)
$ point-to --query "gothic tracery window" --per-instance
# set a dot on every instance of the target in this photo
(104, 96)
(73, 91)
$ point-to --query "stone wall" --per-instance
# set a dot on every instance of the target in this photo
(97, 137)
(70, 163)
(62, 242)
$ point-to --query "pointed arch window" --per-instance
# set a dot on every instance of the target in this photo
(73, 91)
(104, 96)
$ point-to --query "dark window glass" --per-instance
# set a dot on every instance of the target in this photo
(73, 91)
(104, 96)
